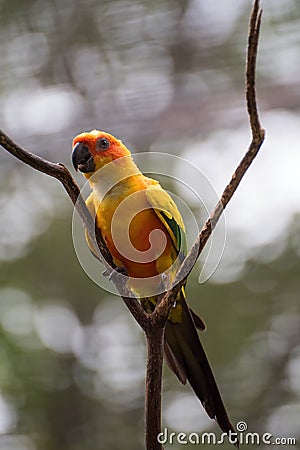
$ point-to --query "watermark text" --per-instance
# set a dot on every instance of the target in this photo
(241, 436)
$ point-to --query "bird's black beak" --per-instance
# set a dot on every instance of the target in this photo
(82, 159)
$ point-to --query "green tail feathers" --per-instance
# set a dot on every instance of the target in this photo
(187, 359)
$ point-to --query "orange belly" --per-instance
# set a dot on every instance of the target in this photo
(135, 236)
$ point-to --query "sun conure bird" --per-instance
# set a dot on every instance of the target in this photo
(144, 233)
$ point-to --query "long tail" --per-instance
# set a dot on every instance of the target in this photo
(187, 359)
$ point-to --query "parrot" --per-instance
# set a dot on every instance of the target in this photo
(129, 208)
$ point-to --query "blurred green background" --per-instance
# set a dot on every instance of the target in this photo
(164, 76)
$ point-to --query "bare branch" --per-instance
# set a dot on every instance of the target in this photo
(258, 135)
(253, 39)
(153, 386)
(162, 309)
(61, 173)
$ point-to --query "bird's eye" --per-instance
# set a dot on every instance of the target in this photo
(103, 144)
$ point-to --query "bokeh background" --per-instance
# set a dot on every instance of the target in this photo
(164, 76)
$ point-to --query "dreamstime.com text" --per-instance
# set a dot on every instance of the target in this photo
(242, 436)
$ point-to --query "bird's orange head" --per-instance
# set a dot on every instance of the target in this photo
(93, 149)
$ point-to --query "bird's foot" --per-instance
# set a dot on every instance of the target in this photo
(117, 272)
(164, 283)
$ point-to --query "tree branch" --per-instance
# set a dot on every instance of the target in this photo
(153, 385)
(258, 135)
(61, 173)
(162, 308)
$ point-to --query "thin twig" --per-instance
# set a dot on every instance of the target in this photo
(258, 134)
(61, 173)
(253, 39)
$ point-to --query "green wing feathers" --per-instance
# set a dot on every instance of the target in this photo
(168, 213)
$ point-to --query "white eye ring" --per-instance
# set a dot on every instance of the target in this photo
(103, 144)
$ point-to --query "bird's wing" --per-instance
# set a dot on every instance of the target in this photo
(167, 211)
